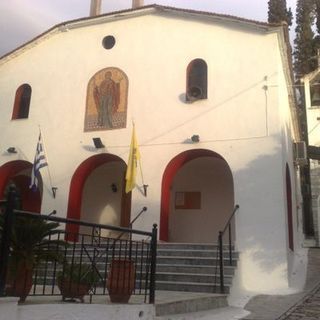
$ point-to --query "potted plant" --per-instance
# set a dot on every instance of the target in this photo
(122, 274)
(32, 241)
(121, 280)
(75, 280)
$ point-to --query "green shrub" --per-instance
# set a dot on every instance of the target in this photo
(78, 273)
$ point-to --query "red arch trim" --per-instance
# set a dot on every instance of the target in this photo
(76, 186)
(30, 200)
(10, 169)
(172, 168)
(289, 208)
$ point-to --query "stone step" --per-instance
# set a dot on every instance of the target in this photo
(193, 269)
(185, 303)
(193, 261)
(169, 259)
(192, 277)
(163, 253)
(174, 268)
(190, 287)
(160, 246)
(193, 253)
(190, 246)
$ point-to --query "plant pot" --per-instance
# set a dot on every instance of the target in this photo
(19, 281)
(73, 290)
(121, 280)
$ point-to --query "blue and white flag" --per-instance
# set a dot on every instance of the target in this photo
(39, 162)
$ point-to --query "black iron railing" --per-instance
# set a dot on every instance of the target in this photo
(96, 231)
(86, 256)
(228, 227)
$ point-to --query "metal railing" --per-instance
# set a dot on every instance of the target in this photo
(221, 250)
(96, 232)
(54, 257)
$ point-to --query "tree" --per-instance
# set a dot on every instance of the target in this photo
(305, 49)
(278, 12)
(305, 61)
(317, 13)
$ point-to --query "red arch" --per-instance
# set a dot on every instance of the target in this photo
(30, 200)
(289, 208)
(172, 168)
(77, 183)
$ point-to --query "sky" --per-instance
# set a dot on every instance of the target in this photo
(22, 20)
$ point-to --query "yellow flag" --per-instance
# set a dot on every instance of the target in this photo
(134, 157)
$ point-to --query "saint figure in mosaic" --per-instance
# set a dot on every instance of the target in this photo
(107, 100)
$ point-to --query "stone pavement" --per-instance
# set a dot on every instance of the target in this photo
(307, 309)
(304, 305)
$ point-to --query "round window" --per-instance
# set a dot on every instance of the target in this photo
(108, 42)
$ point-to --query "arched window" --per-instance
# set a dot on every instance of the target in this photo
(196, 80)
(22, 102)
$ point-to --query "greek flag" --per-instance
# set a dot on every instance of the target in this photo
(39, 162)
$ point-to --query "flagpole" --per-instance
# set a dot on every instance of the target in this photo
(145, 186)
(53, 189)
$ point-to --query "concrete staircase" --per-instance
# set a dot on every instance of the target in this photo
(187, 278)
(180, 267)
(192, 268)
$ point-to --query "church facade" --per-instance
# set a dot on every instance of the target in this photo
(213, 105)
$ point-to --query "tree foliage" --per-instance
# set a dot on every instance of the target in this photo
(306, 41)
(317, 13)
(278, 12)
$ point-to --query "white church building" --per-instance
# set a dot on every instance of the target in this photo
(215, 116)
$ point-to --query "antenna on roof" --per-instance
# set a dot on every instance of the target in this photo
(95, 8)
(137, 3)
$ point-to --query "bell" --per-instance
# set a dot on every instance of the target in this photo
(194, 93)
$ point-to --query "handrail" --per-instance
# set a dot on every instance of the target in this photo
(130, 234)
(228, 222)
(138, 215)
(83, 223)
(220, 243)
(130, 224)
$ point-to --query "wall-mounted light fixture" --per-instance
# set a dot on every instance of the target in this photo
(98, 143)
(12, 150)
(195, 138)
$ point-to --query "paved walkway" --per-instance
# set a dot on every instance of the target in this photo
(294, 306)
(307, 309)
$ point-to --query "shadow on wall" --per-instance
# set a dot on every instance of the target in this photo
(262, 231)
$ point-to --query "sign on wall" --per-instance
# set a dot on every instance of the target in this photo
(188, 200)
(107, 94)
